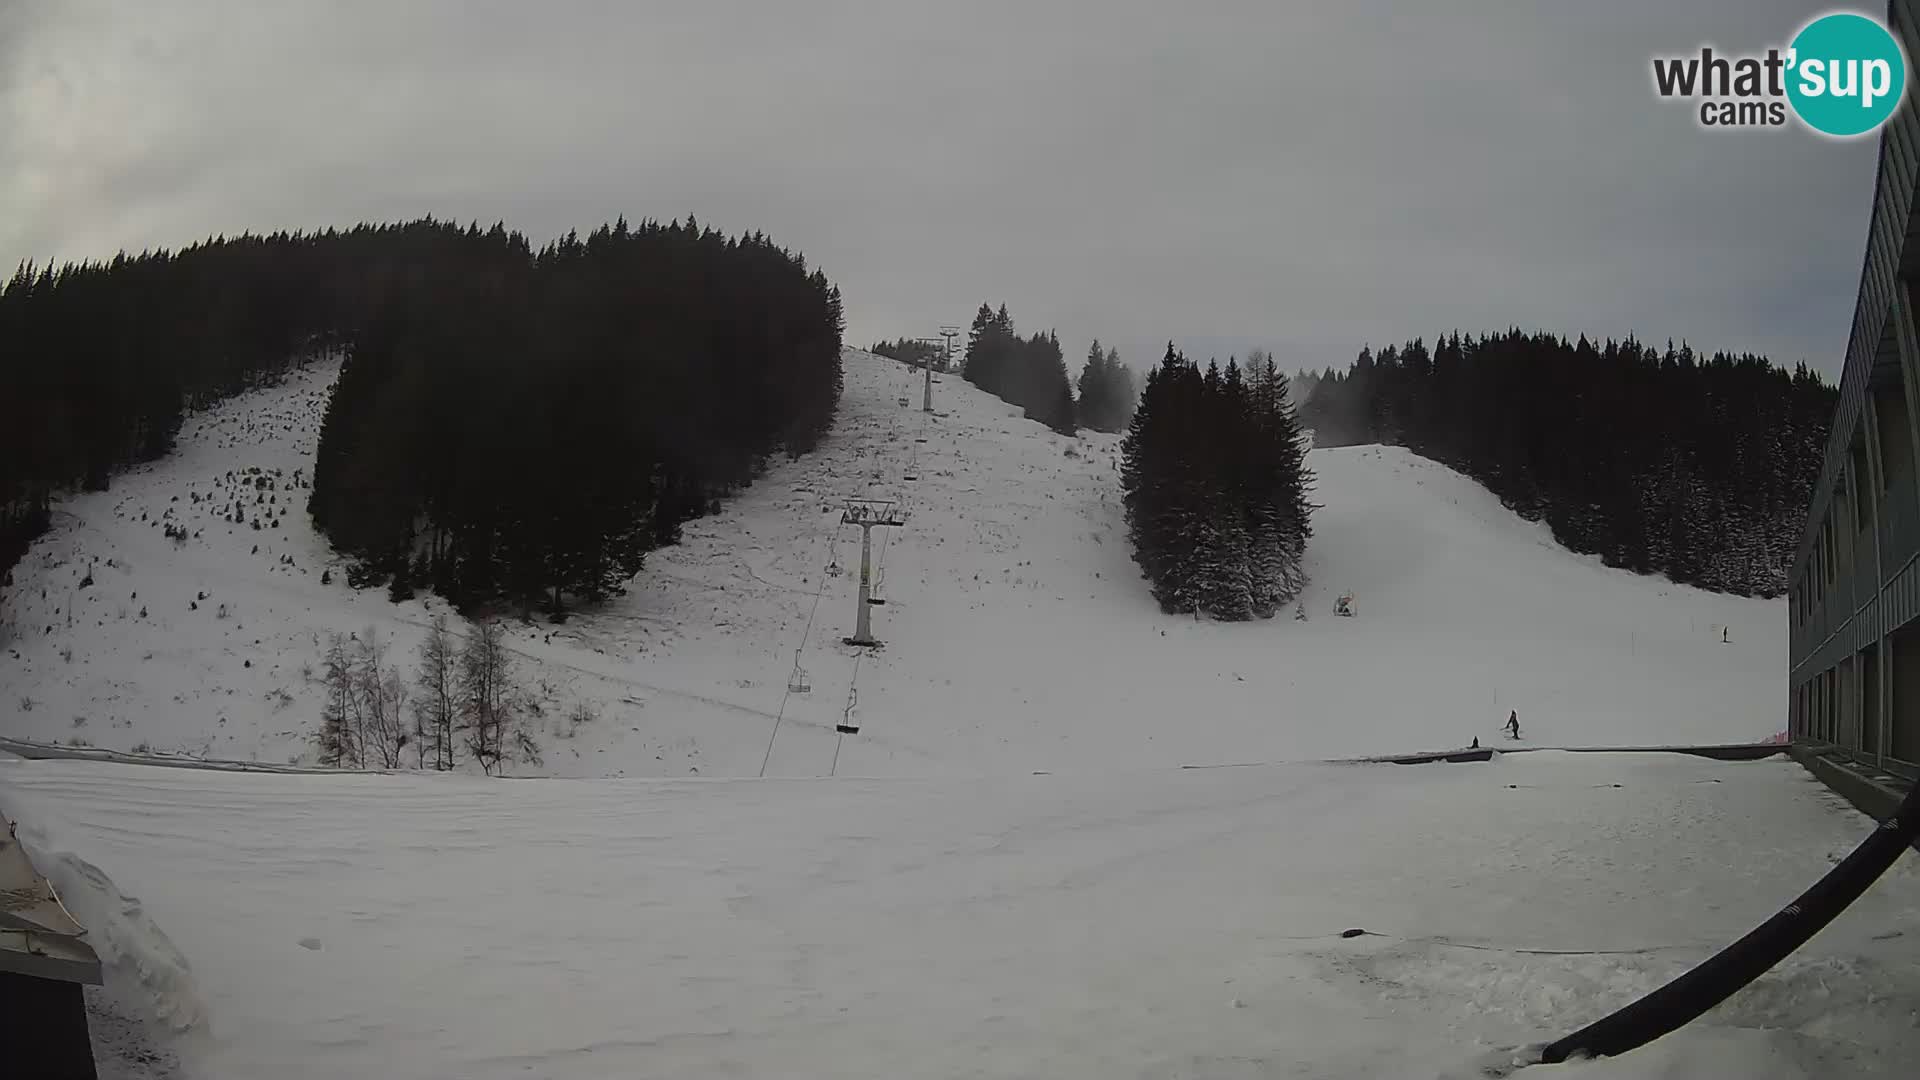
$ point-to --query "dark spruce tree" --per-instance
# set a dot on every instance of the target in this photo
(1061, 415)
(1157, 491)
(988, 361)
(1106, 391)
(1224, 553)
(1215, 487)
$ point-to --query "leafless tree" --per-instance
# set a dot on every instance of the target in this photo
(486, 697)
(439, 683)
(339, 734)
(382, 701)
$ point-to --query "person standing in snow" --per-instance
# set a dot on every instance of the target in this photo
(1513, 724)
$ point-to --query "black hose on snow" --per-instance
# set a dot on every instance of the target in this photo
(1733, 967)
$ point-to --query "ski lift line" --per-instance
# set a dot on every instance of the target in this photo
(798, 682)
(788, 694)
(840, 730)
(853, 681)
(778, 716)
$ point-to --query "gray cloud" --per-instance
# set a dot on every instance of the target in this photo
(1232, 176)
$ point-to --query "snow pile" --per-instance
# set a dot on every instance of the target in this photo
(150, 1000)
(1162, 923)
(1019, 634)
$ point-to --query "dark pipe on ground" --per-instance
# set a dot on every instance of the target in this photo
(1687, 997)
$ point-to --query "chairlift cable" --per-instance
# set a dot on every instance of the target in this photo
(833, 544)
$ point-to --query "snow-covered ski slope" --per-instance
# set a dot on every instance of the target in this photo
(1165, 923)
(939, 910)
(1019, 636)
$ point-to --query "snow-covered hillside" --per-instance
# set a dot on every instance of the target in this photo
(940, 909)
(1167, 923)
(1018, 634)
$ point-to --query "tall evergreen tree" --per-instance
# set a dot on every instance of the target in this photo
(1155, 483)
(1215, 487)
(1106, 390)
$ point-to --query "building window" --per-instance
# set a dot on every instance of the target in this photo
(1896, 437)
(1861, 487)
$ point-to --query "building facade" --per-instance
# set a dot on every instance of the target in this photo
(1854, 601)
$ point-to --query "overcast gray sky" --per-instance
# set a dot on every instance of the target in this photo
(1301, 177)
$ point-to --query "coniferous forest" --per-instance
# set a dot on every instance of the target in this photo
(1107, 390)
(1030, 372)
(911, 352)
(509, 425)
(1697, 468)
(1216, 485)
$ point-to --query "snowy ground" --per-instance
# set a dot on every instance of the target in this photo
(1010, 877)
(1019, 634)
(1161, 923)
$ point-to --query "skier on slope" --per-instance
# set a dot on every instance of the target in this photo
(1513, 724)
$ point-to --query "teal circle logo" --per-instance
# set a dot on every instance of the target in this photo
(1846, 74)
